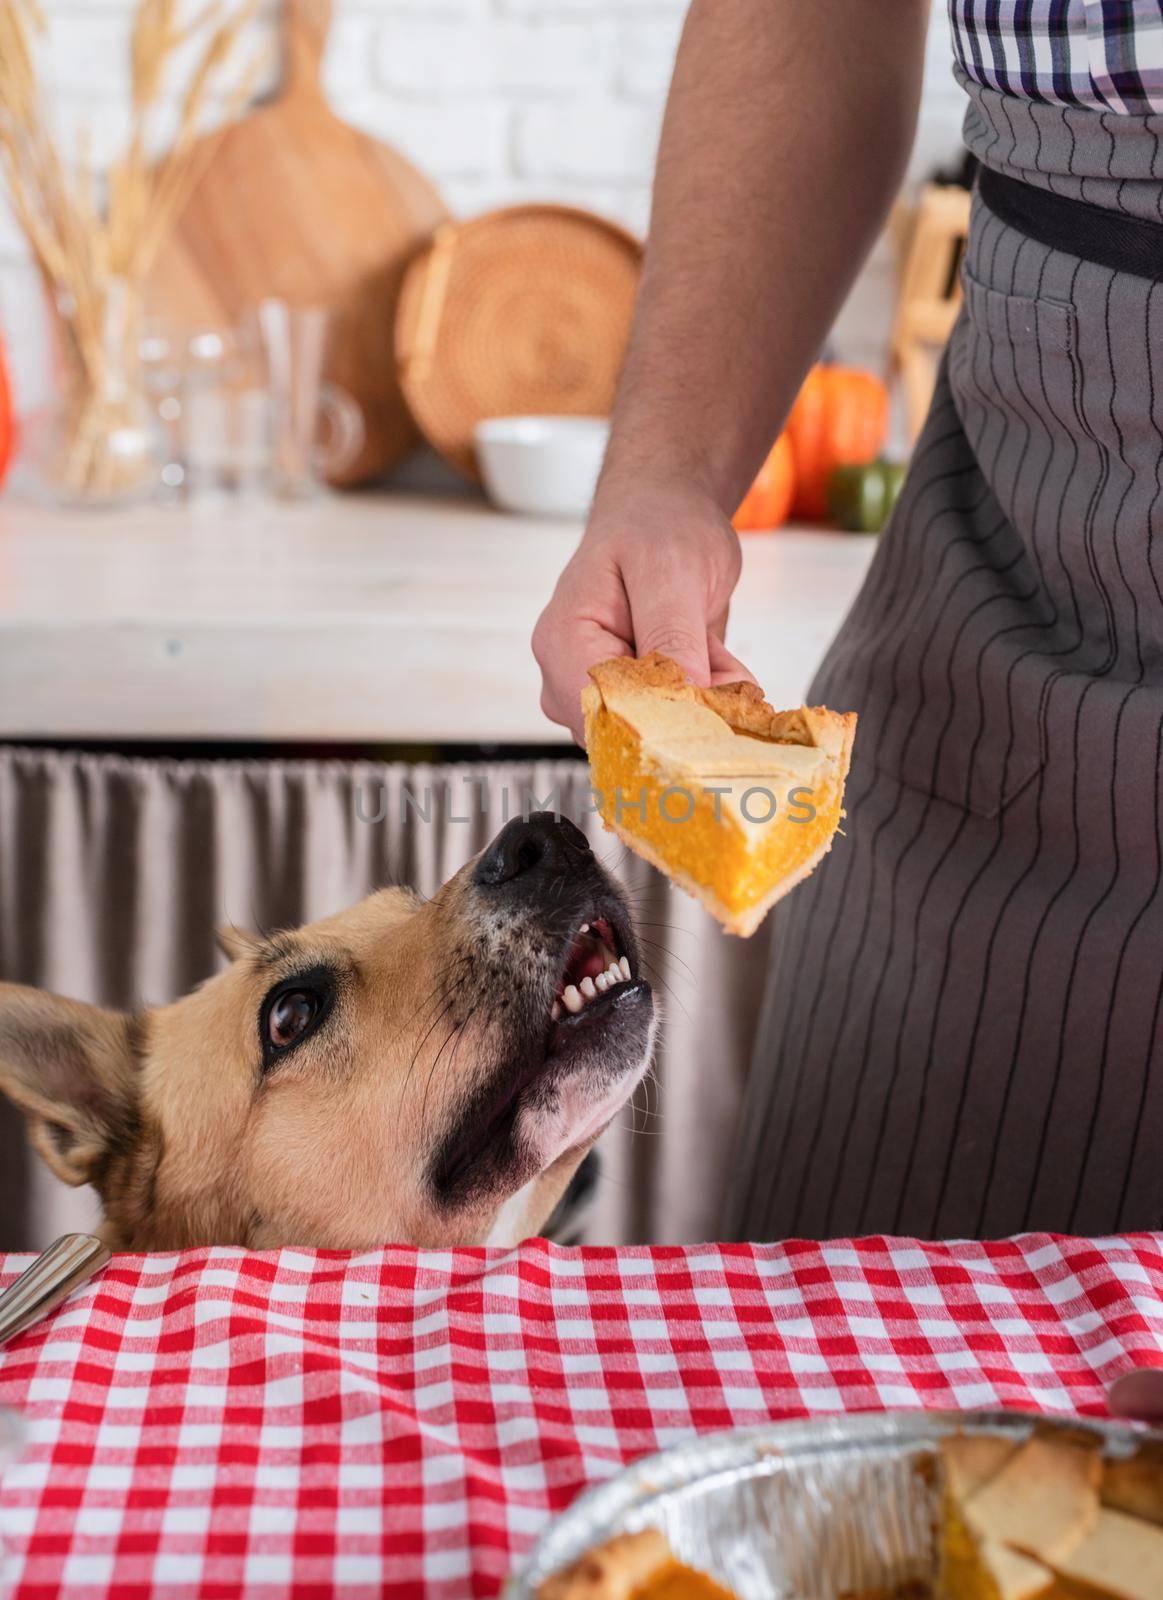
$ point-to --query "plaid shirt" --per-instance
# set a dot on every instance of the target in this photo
(1107, 54)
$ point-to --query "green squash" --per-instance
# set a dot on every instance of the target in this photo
(860, 498)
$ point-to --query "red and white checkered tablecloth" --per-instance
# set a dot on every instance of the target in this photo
(223, 1423)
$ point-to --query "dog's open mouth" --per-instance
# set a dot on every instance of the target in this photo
(597, 986)
(597, 1034)
(595, 964)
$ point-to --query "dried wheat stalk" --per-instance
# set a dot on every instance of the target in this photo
(83, 242)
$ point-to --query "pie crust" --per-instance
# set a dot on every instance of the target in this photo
(1050, 1519)
(633, 1566)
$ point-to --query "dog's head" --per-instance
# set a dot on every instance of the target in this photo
(428, 1072)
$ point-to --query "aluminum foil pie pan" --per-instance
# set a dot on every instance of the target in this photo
(804, 1510)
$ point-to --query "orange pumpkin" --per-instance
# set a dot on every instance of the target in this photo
(840, 419)
(768, 501)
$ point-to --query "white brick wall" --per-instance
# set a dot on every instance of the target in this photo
(499, 100)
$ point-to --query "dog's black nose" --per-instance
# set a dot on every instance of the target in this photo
(544, 843)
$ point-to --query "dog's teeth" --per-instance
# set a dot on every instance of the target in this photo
(614, 972)
(602, 982)
(571, 1000)
(585, 928)
(624, 965)
(555, 1011)
(587, 988)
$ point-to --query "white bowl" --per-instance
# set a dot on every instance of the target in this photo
(542, 466)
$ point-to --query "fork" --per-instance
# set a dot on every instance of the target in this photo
(67, 1263)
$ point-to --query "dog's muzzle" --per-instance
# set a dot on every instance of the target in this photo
(576, 1020)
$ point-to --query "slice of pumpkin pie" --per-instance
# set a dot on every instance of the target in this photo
(1035, 1522)
(633, 1566)
(734, 801)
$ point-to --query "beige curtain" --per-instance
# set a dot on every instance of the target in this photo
(115, 872)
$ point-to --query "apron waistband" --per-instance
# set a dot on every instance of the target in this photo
(1108, 238)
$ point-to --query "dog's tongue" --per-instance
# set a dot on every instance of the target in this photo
(585, 963)
(587, 956)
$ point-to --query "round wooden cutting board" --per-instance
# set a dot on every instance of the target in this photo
(295, 204)
(523, 310)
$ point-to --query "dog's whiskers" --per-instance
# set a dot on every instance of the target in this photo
(442, 991)
(435, 1023)
(669, 927)
(656, 977)
(455, 1032)
(649, 1082)
(664, 950)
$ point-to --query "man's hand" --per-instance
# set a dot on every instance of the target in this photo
(655, 571)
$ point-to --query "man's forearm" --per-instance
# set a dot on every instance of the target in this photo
(786, 137)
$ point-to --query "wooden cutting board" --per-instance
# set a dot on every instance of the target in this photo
(294, 203)
(525, 310)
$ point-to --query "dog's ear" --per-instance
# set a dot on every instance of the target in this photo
(72, 1070)
(235, 942)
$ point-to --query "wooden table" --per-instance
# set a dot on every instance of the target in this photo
(370, 619)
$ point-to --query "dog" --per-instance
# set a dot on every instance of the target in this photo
(426, 1072)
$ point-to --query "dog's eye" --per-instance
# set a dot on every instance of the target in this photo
(290, 1017)
(292, 1011)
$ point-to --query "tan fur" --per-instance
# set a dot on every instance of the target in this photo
(186, 1139)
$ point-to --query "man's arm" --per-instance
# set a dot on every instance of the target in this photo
(786, 136)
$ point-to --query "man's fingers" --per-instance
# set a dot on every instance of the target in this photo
(725, 668)
(675, 626)
(1137, 1394)
(567, 653)
(558, 707)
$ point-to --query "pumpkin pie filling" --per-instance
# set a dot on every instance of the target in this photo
(736, 802)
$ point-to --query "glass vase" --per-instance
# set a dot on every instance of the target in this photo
(100, 446)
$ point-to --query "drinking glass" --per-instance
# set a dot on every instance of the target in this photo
(294, 343)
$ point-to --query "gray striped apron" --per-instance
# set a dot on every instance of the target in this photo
(963, 1030)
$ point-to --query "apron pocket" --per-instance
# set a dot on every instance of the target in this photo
(947, 670)
(944, 652)
(969, 733)
(950, 647)
(1018, 320)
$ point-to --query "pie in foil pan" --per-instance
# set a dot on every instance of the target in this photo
(876, 1506)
